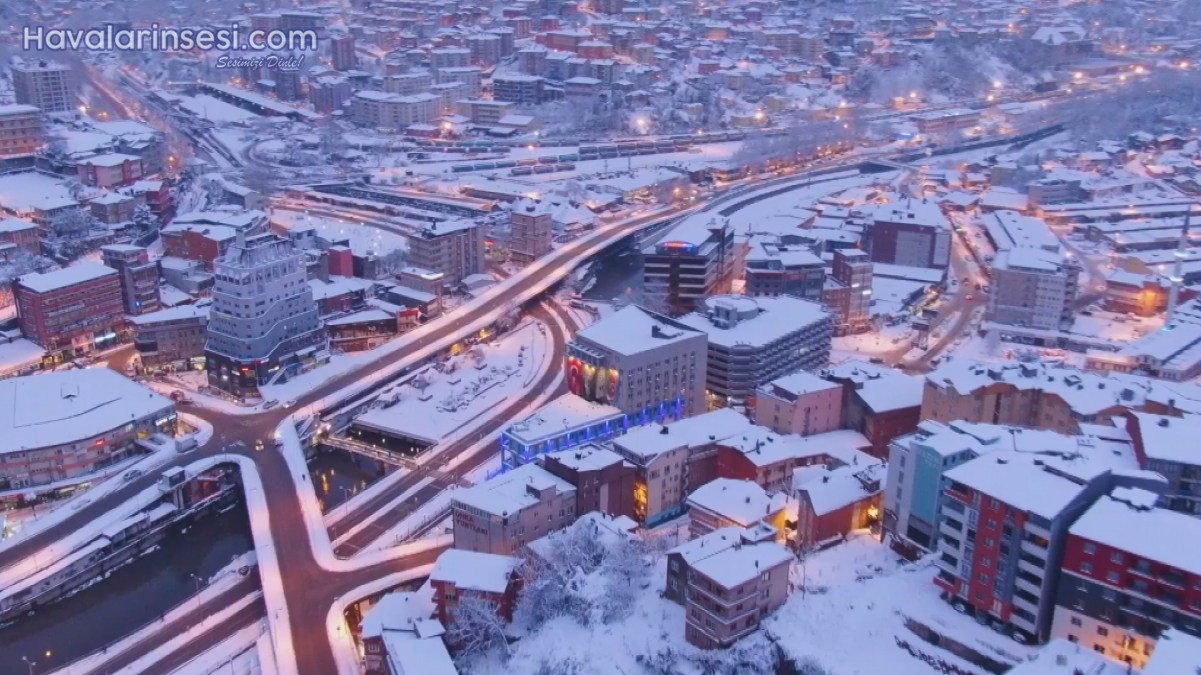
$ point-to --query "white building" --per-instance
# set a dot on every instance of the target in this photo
(264, 324)
(1033, 288)
(752, 341)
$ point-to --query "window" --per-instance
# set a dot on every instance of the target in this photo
(1090, 548)
(1087, 568)
(1100, 649)
(1076, 621)
(1113, 577)
(1072, 638)
(1116, 558)
(1102, 631)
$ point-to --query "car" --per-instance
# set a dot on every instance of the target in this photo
(259, 445)
(271, 404)
(131, 474)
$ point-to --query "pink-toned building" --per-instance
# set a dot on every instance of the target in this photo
(799, 403)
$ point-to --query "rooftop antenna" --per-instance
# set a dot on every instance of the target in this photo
(1178, 270)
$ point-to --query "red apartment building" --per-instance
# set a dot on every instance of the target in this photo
(1130, 572)
(460, 574)
(197, 242)
(71, 311)
(603, 481)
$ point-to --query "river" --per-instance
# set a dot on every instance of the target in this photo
(132, 597)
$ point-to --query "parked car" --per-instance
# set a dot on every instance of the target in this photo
(271, 404)
(131, 474)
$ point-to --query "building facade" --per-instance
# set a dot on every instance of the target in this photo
(171, 339)
(603, 480)
(71, 311)
(645, 364)
(799, 403)
(1033, 288)
(47, 85)
(139, 277)
(20, 129)
(532, 231)
(501, 515)
(263, 324)
(454, 248)
(695, 260)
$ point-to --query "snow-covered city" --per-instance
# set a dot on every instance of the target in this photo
(600, 337)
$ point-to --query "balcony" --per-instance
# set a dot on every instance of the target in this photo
(1028, 586)
(1038, 530)
(1030, 568)
(949, 531)
(1024, 623)
(1035, 550)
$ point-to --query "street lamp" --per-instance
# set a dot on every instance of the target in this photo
(29, 663)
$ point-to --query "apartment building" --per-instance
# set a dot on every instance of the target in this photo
(481, 111)
(1128, 576)
(770, 460)
(773, 268)
(264, 325)
(450, 57)
(799, 403)
(908, 232)
(645, 364)
(46, 85)
(603, 480)
(694, 260)
(532, 230)
(1025, 394)
(139, 276)
(22, 234)
(392, 111)
(342, 54)
(727, 502)
(468, 76)
(71, 311)
(674, 459)
(1005, 519)
(517, 88)
(1167, 446)
(501, 515)
(455, 248)
(752, 341)
(728, 581)
(877, 401)
(459, 575)
(20, 129)
(1033, 288)
(848, 291)
(171, 338)
(832, 502)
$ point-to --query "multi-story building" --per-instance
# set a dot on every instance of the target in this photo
(459, 574)
(341, 51)
(694, 260)
(532, 230)
(1128, 576)
(485, 49)
(728, 581)
(468, 76)
(752, 341)
(942, 121)
(286, 84)
(1005, 520)
(834, 501)
(877, 401)
(1165, 445)
(171, 338)
(909, 232)
(517, 88)
(726, 502)
(58, 428)
(603, 480)
(392, 111)
(502, 514)
(48, 85)
(674, 459)
(139, 276)
(455, 248)
(20, 129)
(481, 111)
(408, 83)
(645, 364)
(22, 234)
(848, 291)
(263, 324)
(329, 93)
(799, 403)
(1033, 288)
(71, 311)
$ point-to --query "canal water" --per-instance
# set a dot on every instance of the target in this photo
(130, 598)
(618, 276)
(339, 475)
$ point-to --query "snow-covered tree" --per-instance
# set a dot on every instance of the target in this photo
(476, 629)
(69, 232)
(144, 221)
(262, 179)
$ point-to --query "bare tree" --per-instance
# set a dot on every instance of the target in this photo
(476, 629)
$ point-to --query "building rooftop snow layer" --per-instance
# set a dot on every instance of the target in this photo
(741, 501)
(1019, 480)
(1125, 521)
(50, 409)
(650, 441)
(632, 330)
(1173, 439)
(399, 611)
(741, 563)
(474, 571)
(1060, 657)
(798, 384)
(832, 489)
(513, 491)
(708, 544)
(588, 457)
(739, 321)
(1175, 652)
(78, 273)
(565, 413)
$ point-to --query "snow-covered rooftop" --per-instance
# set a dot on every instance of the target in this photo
(651, 441)
(832, 489)
(1019, 480)
(475, 571)
(66, 407)
(398, 611)
(1166, 537)
(588, 457)
(798, 384)
(1175, 653)
(741, 501)
(513, 491)
(1172, 439)
(735, 320)
(568, 412)
(78, 273)
(921, 212)
(1060, 657)
(741, 563)
(632, 330)
(883, 389)
(170, 314)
